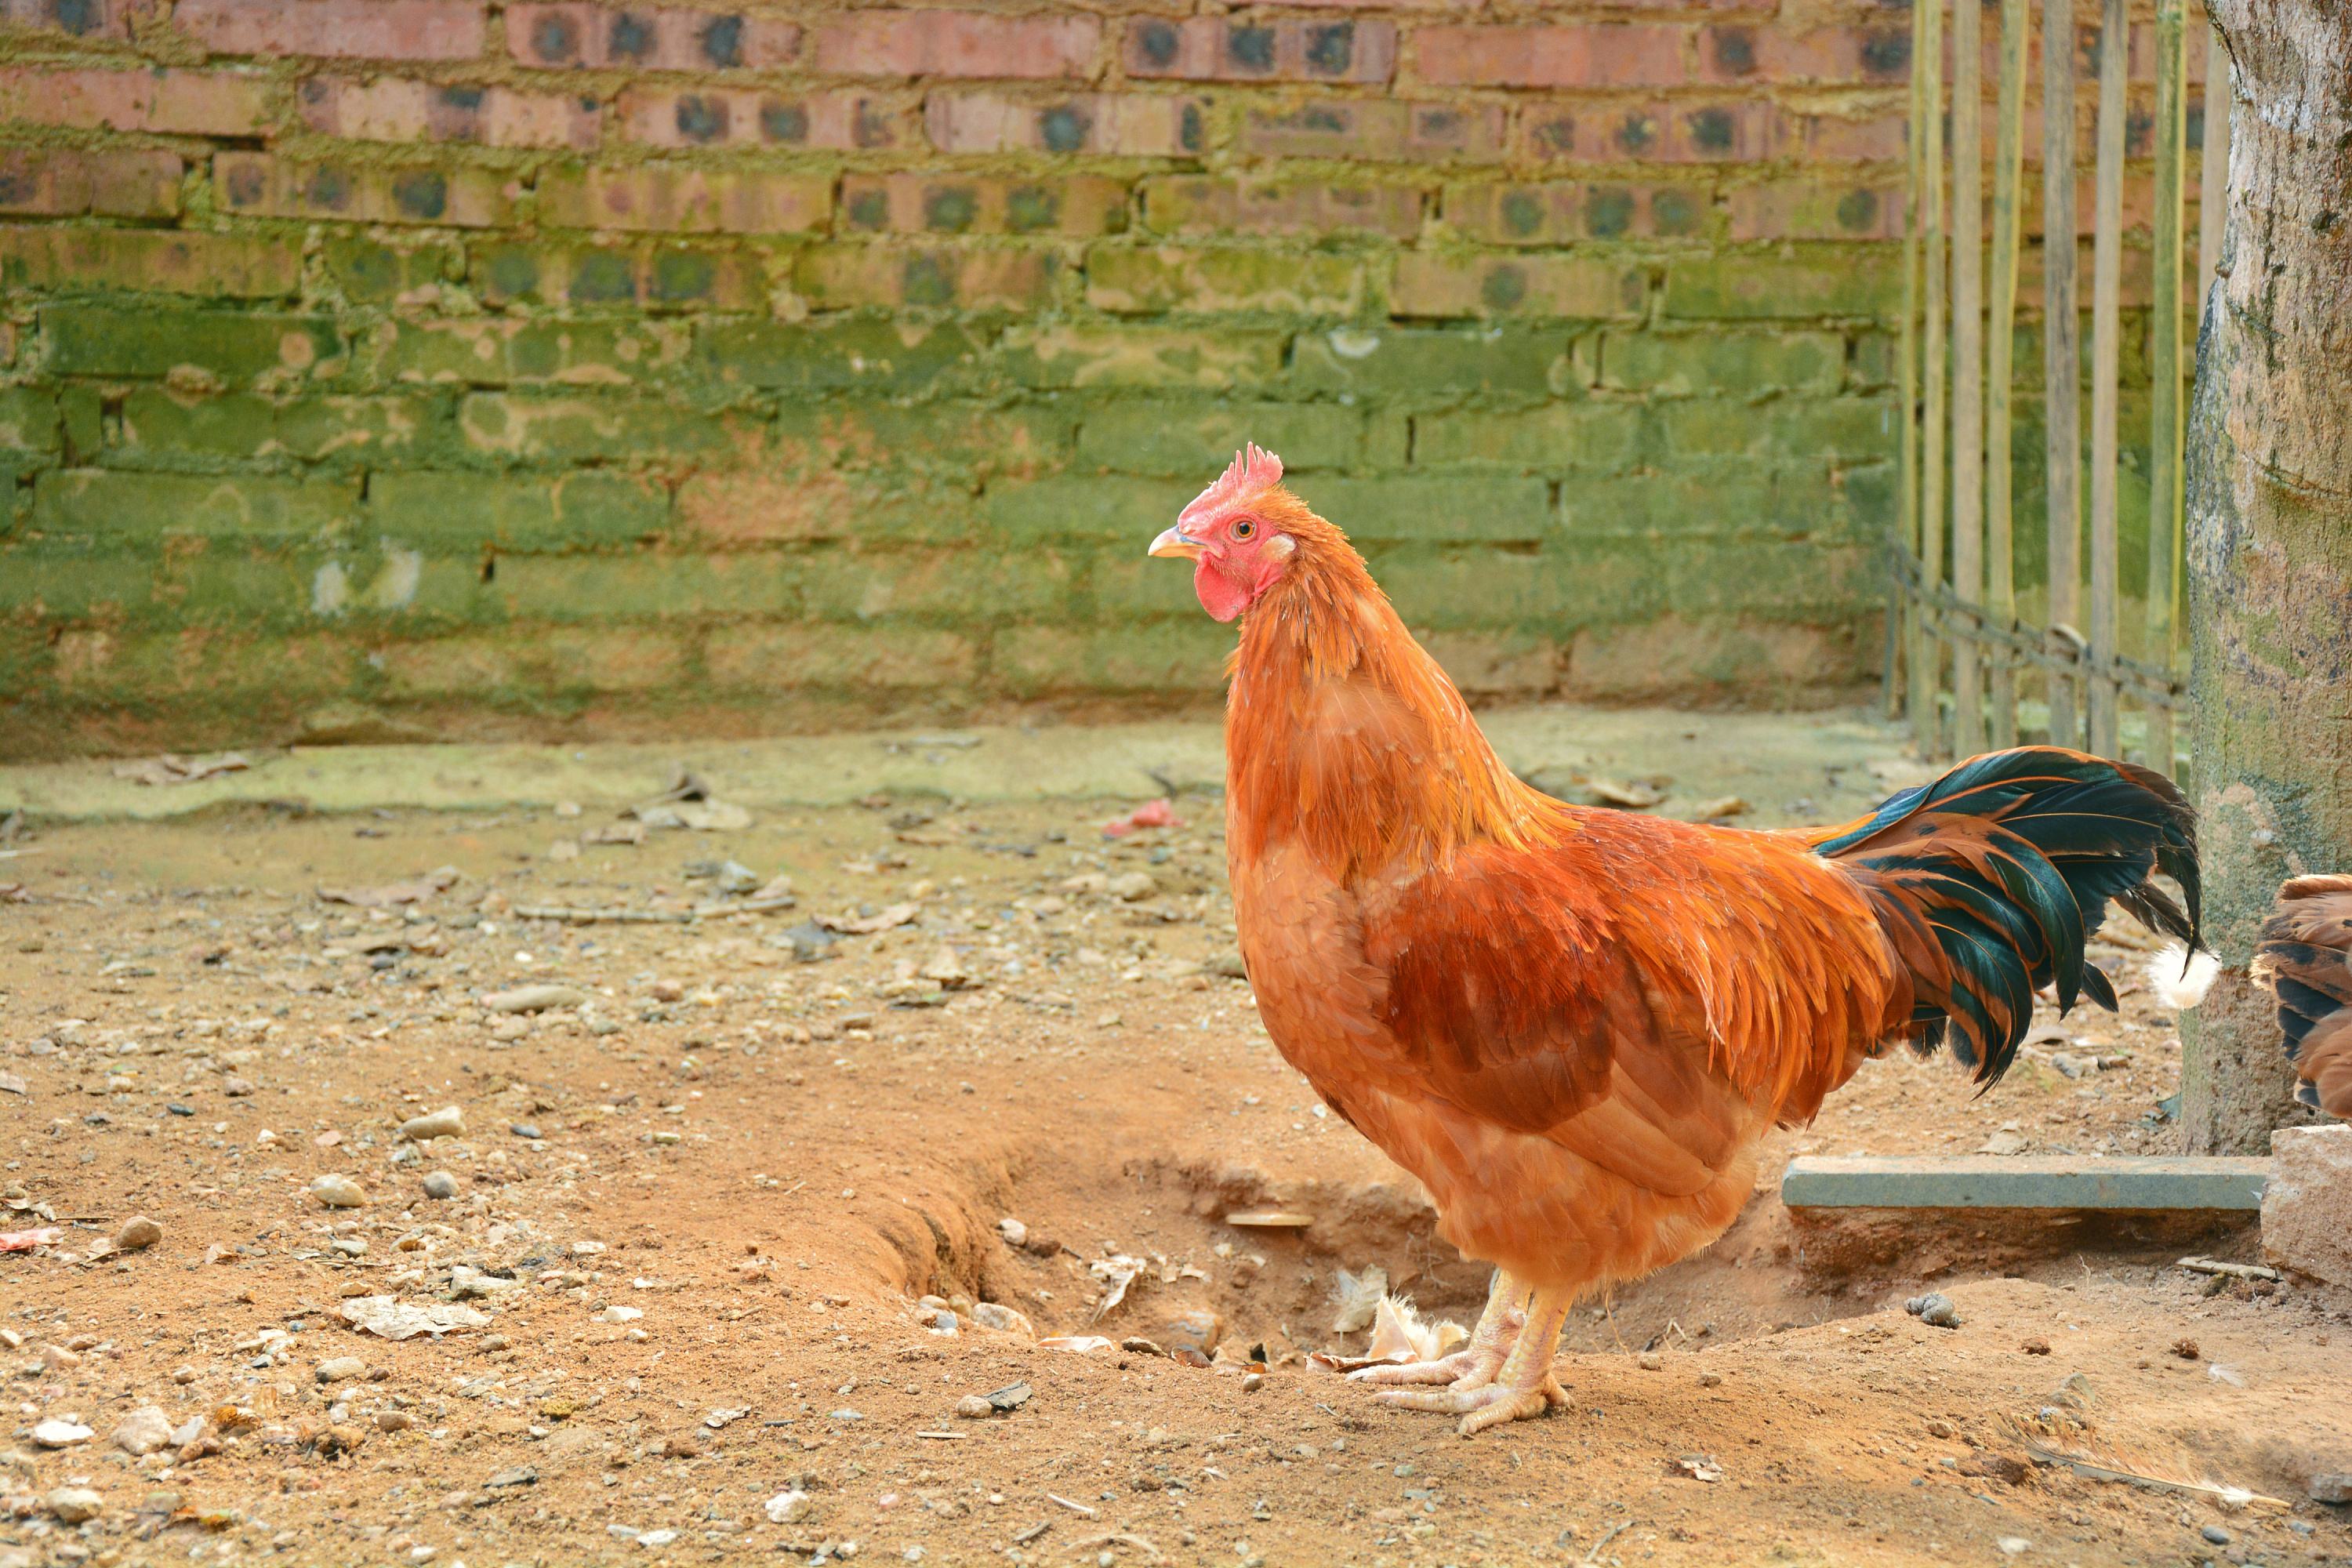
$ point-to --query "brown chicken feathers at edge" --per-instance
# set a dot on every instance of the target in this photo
(1574, 1025)
(2306, 958)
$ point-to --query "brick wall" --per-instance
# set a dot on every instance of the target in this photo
(427, 366)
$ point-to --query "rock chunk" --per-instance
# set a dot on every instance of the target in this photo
(2307, 1207)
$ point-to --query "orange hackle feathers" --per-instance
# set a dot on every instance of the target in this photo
(1574, 1025)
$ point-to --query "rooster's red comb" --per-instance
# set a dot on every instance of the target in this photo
(1253, 472)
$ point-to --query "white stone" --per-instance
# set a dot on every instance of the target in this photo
(2307, 1205)
(55, 1434)
(144, 1431)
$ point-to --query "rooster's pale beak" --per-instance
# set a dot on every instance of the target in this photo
(1176, 541)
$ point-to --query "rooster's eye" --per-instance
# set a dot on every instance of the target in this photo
(1243, 529)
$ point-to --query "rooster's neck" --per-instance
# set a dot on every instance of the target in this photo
(1345, 738)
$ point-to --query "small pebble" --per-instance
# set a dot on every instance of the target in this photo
(2216, 1534)
(394, 1420)
(524, 1130)
(137, 1234)
(73, 1505)
(337, 1192)
(440, 1184)
(974, 1407)
(55, 1434)
(2036, 1346)
(447, 1123)
(1252, 1382)
(1934, 1309)
(341, 1369)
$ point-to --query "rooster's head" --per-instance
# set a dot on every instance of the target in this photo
(1243, 533)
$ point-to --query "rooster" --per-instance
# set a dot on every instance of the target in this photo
(1576, 1025)
(2306, 958)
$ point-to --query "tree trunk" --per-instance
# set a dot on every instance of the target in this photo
(2270, 540)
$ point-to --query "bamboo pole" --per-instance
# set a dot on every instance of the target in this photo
(2107, 363)
(1967, 360)
(2062, 348)
(2001, 577)
(1901, 609)
(2165, 403)
(1933, 419)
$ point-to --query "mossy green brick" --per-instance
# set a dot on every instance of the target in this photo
(509, 350)
(868, 354)
(1183, 439)
(29, 424)
(1083, 507)
(82, 409)
(1086, 356)
(1702, 496)
(642, 585)
(233, 346)
(1187, 654)
(162, 425)
(1560, 437)
(1854, 427)
(1159, 279)
(1427, 366)
(968, 584)
(77, 577)
(1453, 508)
(370, 272)
(111, 504)
(969, 441)
(569, 430)
(1735, 364)
(1564, 585)
(828, 656)
(1798, 283)
(1871, 362)
(1800, 581)
(579, 511)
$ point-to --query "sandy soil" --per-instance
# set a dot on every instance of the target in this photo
(705, 1201)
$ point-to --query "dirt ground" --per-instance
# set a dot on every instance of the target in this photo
(701, 1200)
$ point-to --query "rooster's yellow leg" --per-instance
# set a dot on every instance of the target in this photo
(1476, 1362)
(1523, 1387)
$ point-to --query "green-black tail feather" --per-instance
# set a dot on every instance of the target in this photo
(1988, 881)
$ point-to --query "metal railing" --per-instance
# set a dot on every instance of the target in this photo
(1957, 658)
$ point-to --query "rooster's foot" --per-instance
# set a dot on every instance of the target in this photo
(1474, 1366)
(1489, 1404)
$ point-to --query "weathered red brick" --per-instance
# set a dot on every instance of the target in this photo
(1384, 129)
(239, 267)
(649, 38)
(840, 276)
(1648, 132)
(1562, 210)
(1575, 54)
(745, 116)
(680, 199)
(1739, 53)
(1841, 139)
(951, 204)
(650, 275)
(79, 18)
(1127, 124)
(1815, 211)
(1433, 285)
(1219, 48)
(68, 184)
(180, 103)
(337, 29)
(393, 109)
(955, 44)
(268, 186)
(1188, 203)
